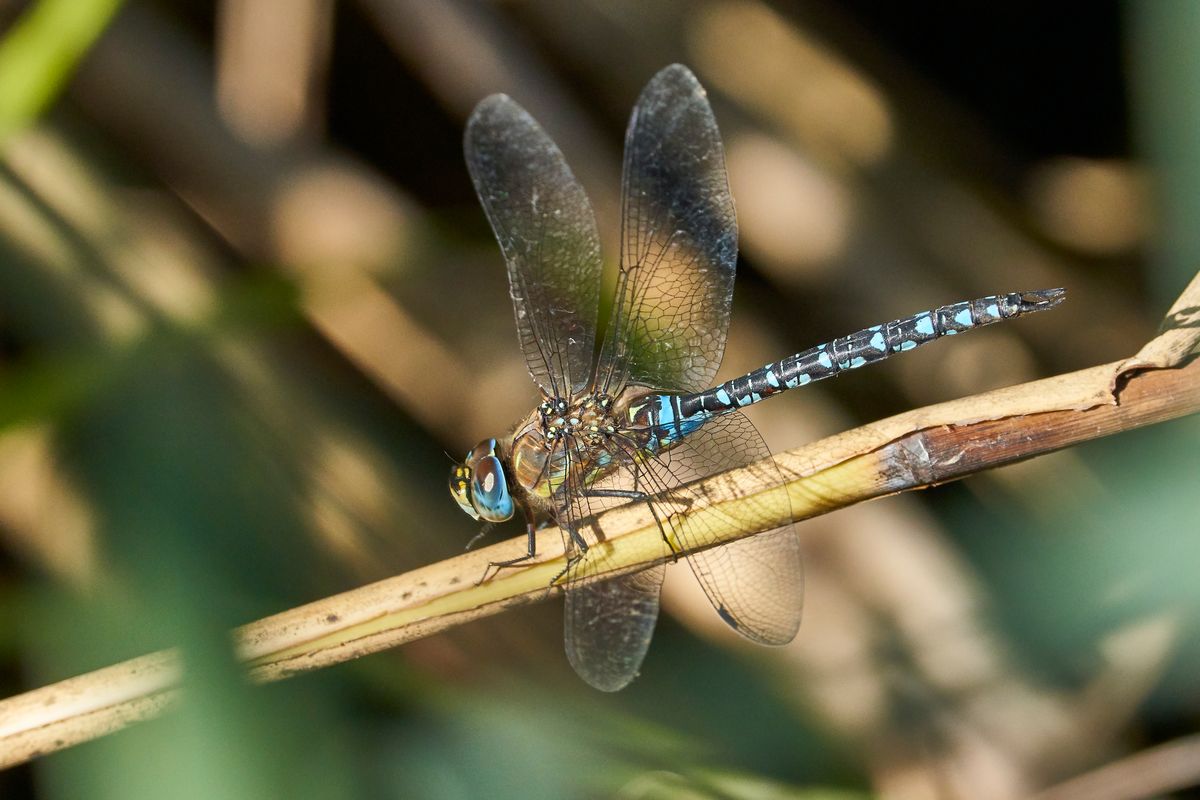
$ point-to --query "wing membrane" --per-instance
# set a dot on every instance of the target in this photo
(547, 232)
(670, 318)
(679, 243)
(607, 625)
(756, 584)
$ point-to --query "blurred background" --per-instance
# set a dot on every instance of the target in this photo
(248, 299)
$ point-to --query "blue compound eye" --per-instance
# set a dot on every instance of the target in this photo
(489, 490)
(482, 450)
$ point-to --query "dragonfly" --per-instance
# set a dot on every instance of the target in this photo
(635, 417)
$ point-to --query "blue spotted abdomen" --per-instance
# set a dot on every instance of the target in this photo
(856, 350)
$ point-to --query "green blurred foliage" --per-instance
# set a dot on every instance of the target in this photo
(39, 53)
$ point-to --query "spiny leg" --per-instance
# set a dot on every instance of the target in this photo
(634, 495)
(484, 531)
(581, 548)
(566, 519)
(531, 551)
(626, 446)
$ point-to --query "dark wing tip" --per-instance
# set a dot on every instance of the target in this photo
(489, 106)
(609, 683)
(675, 74)
(676, 69)
(495, 117)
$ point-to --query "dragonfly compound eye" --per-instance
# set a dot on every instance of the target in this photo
(489, 491)
(485, 448)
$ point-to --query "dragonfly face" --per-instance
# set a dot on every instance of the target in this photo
(480, 486)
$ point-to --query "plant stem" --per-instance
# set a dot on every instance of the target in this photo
(914, 450)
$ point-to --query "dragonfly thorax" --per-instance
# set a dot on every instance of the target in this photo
(589, 418)
(561, 437)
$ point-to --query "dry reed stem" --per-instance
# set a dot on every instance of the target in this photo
(915, 450)
(1167, 767)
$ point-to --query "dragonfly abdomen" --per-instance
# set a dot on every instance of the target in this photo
(861, 348)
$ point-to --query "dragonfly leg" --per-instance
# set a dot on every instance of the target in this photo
(531, 534)
(572, 560)
(581, 548)
(636, 496)
(484, 531)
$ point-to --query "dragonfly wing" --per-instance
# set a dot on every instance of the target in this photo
(679, 243)
(755, 583)
(547, 232)
(609, 625)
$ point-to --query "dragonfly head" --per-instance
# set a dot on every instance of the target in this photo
(479, 484)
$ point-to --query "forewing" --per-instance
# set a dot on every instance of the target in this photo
(547, 232)
(679, 243)
(756, 584)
